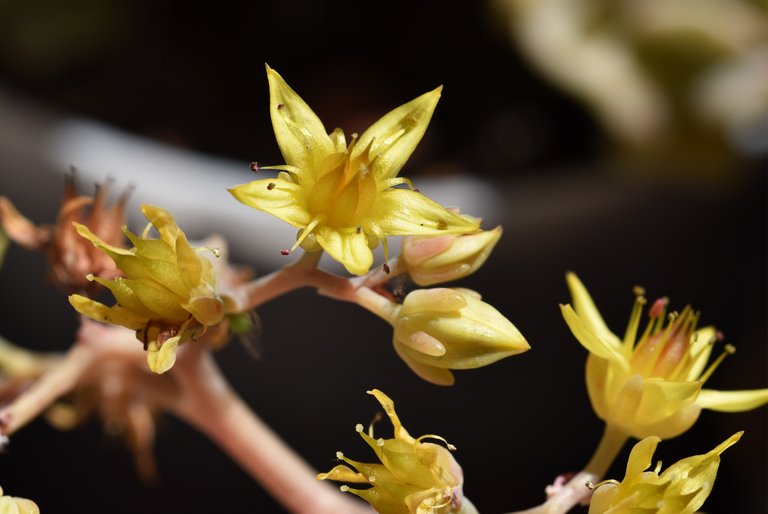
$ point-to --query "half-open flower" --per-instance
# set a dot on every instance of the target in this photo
(414, 477)
(680, 489)
(440, 329)
(342, 196)
(651, 385)
(168, 294)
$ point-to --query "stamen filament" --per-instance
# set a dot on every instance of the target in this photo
(728, 350)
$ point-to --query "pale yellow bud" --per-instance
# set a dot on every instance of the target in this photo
(12, 505)
(431, 260)
(441, 329)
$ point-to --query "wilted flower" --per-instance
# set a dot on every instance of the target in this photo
(342, 197)
(414, 477)
(680, 489)
(440, 329)
(70, 257)
(168, 294)
(12, 505)
(431, 260)
(652, 386)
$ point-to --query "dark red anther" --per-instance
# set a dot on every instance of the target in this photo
(284, 252)
(385, 266)
(255, 167)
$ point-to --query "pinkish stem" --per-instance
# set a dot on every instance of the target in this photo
(209, 404)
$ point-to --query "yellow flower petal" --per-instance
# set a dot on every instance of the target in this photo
(589, 340)
(158, 299)
(641, 457)
(661, 398)
(432, 374)
(349, 248)
(208, 310)
(125, 296)
(162, 358)
(125, 259)
(395, 136)
(163, 222)
(342, 473)
(732, 401)
(701, 349)
(389, 407)
(300, 134)
(403, 212)
(277, 197)
(115, 315)
(586, 309)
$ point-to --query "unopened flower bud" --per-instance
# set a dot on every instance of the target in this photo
(441, 329)
(431, 260)
(13, 505)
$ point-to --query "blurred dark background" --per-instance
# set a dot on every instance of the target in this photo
(681, 212)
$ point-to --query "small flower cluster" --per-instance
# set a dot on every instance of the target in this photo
(346, 199)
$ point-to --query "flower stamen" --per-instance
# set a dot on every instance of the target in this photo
(728, 350)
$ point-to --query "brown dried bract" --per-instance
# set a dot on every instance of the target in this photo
(71, 257)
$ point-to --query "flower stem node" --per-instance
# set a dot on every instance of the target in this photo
(680, 489)
(341, 195)
(440, 329)
(414, 477)
(168, 294)
(651, 385)
(432, 260)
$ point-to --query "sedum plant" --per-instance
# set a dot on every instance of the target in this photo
(177, 301)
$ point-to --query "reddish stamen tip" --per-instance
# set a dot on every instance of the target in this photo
(284, 252)
(255, 167)
(720, 336)
(657, 309)
(386, 268)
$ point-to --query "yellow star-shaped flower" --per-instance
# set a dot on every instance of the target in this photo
(342, 196)
(651, 385)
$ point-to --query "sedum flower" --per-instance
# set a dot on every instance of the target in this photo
(414, 476)
(341, 195)
(431, 260)
(70, 257)
(13, 505)
(680, 489)
(440, 329)
(168, 293)
(651, 385)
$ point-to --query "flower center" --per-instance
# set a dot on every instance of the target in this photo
(344, 192)
(664, 350)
